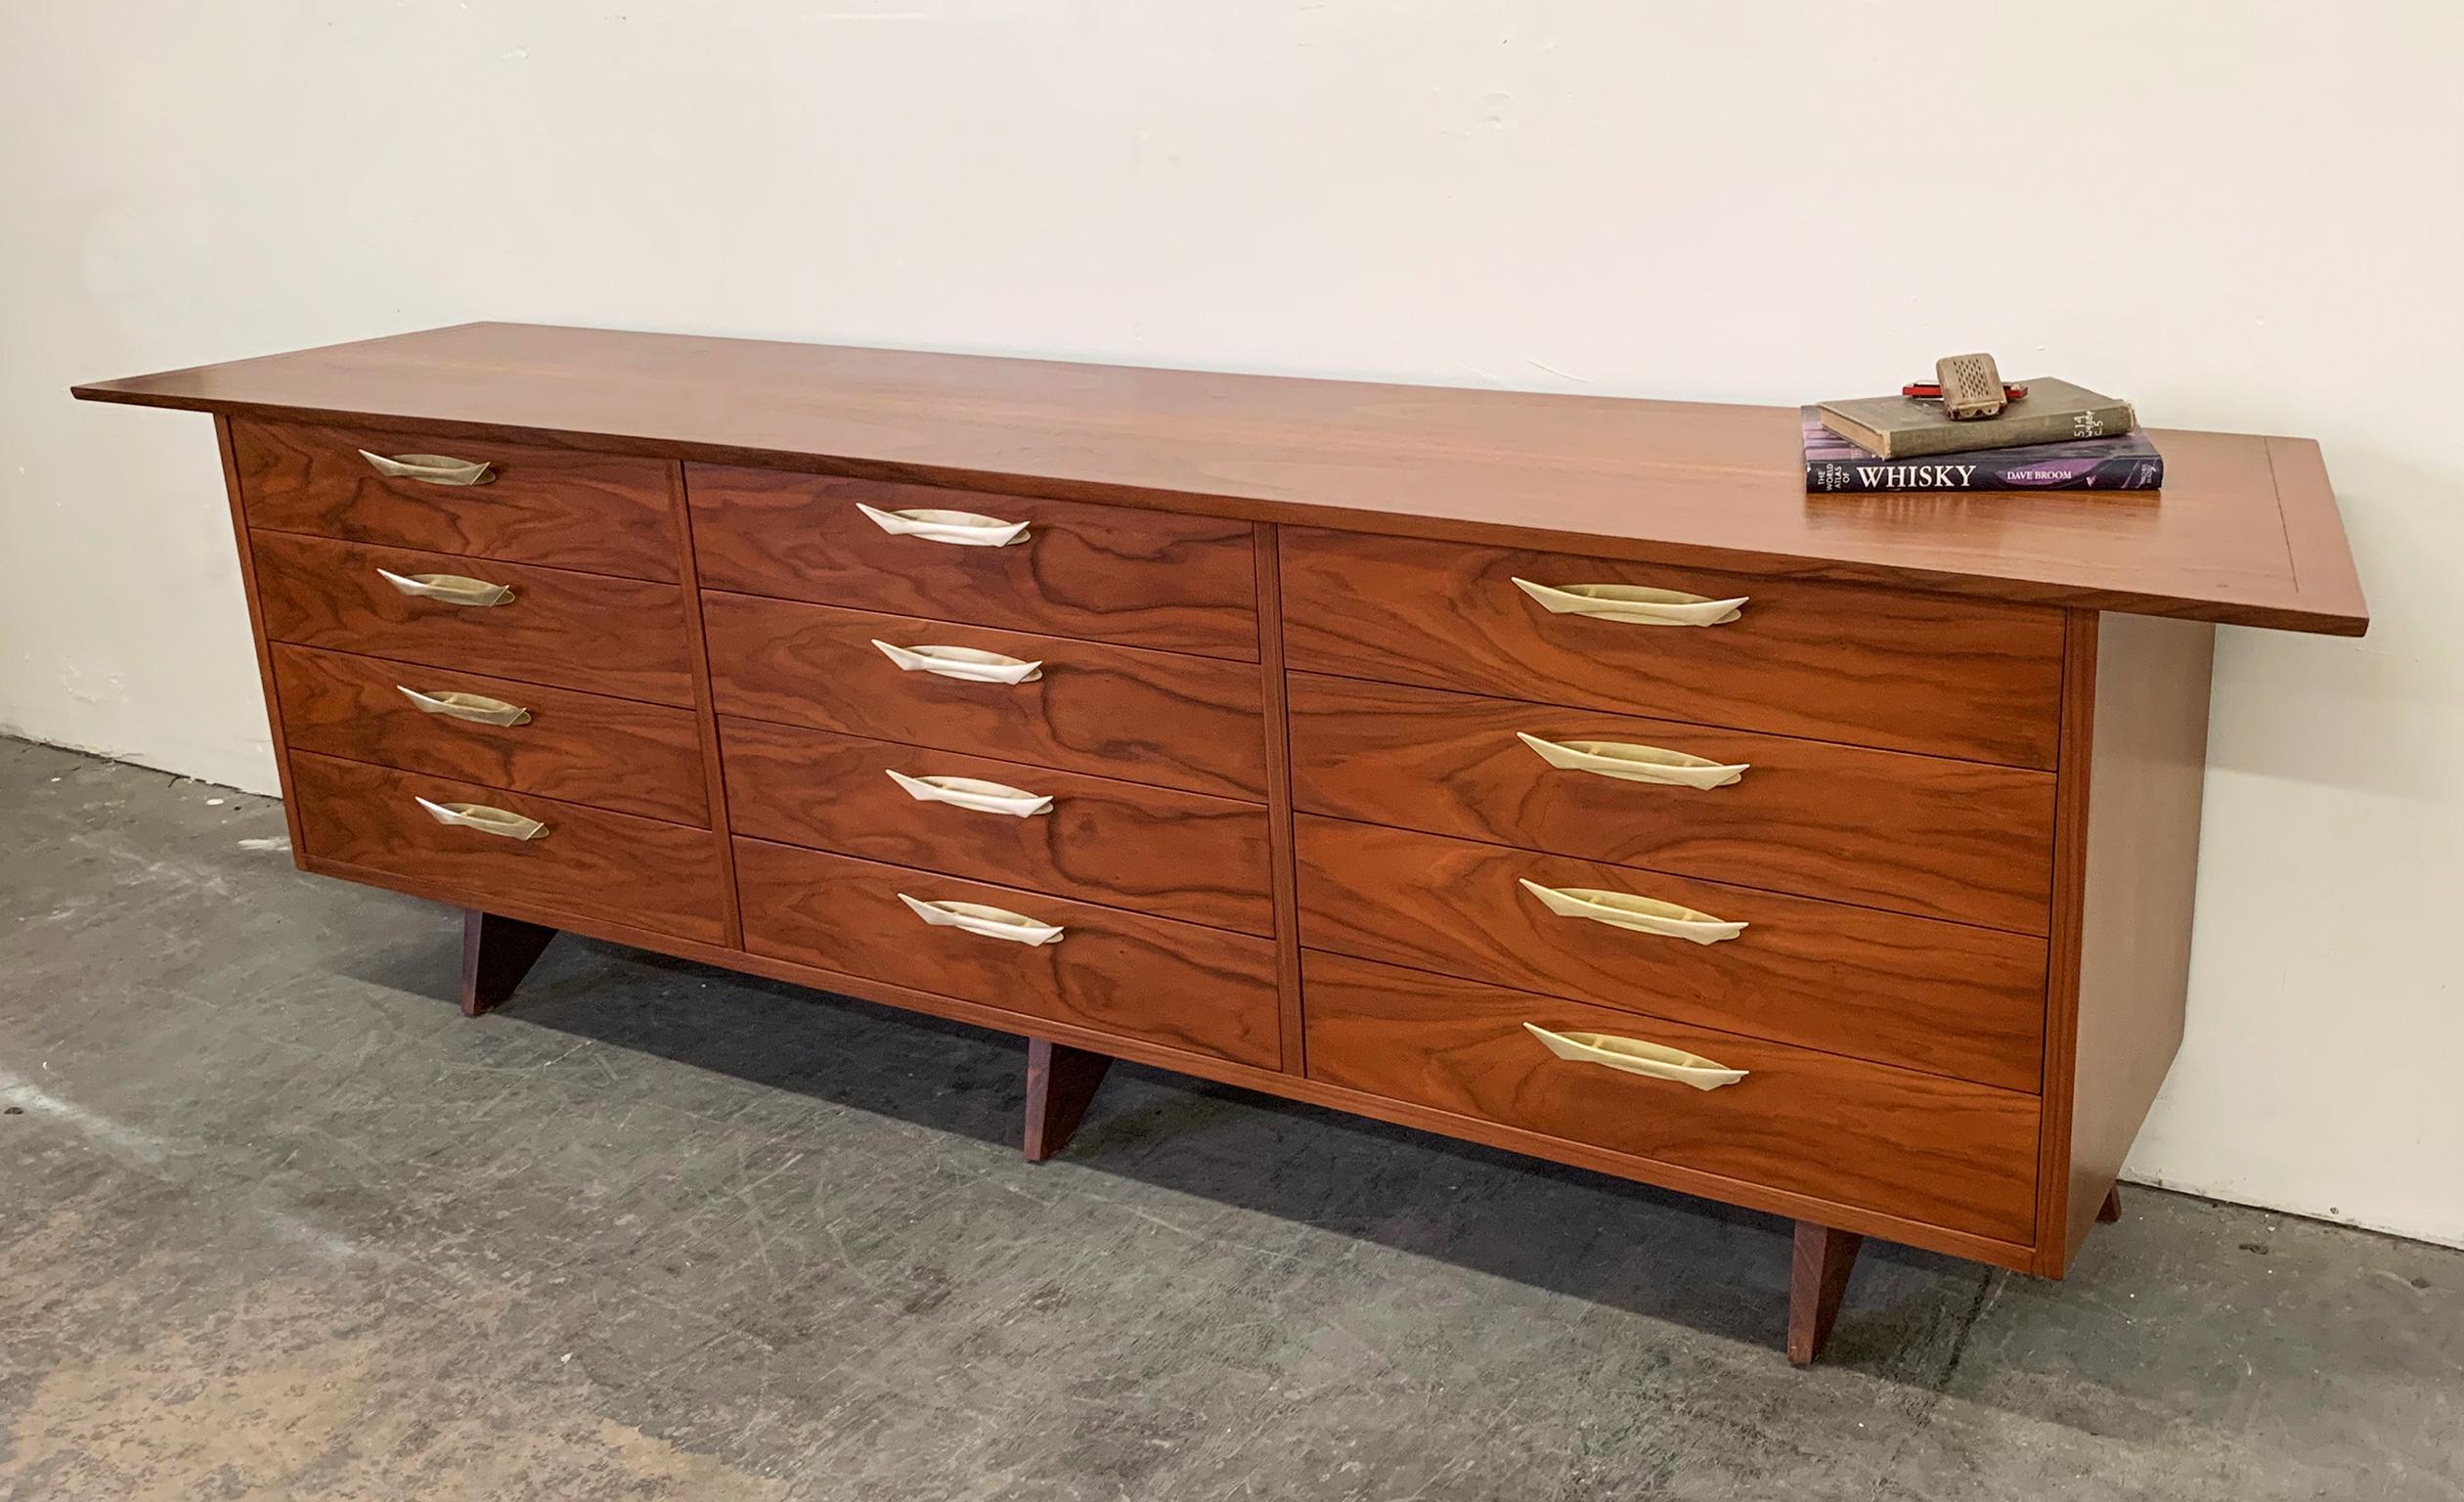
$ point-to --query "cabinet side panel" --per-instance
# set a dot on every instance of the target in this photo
(2147, 766)
(256, 629)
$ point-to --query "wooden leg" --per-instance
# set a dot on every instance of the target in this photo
(497, 952)
(2111, 1209)
(1818, 1276)
(1060, 1083)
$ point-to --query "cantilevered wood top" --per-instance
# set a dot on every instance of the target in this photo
(2245, 531)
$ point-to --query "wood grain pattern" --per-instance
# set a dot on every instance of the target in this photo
(1203, 990)
(1917, 1145)
(590, 863)
(2130, 878)
(1956, 1000)
(1708, 486)
(616, 754)
(1126, 844)
(548, 503)
(1104, 573)
(1991, 1250)
(1190, 723)
(1937, 838)
(592, 632)
(1904, 671)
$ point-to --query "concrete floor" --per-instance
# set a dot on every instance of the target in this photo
(276, 1221)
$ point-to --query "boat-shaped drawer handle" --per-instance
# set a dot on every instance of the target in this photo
(502, 822)
(961, 662)
(431, 468)
(973, 793)
(1634, 1056)
(1635, 764)
(1642, 914)
(990, 922)
(452, 589)
(1635, 604)
(476, 708)
(966, 529)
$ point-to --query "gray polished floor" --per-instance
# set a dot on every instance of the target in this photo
(276, 1221)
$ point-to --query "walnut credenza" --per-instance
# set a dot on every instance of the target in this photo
(1548, 771)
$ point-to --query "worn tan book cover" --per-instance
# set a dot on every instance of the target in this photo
(1908, 426)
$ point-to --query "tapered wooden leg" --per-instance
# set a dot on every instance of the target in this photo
(1060, 1083)
(2111, 1209)
(1818, 1276)
(497, 952)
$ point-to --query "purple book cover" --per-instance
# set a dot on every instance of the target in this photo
(1833, 464)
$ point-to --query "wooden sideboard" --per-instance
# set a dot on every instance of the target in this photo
(1548, 771)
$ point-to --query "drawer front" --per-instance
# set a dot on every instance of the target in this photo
(1184, 583)
(1943, 998)
(1190, 723)
(1890, 1141)
(1178, 985)
(616, 754)
(624, 636)
(605, 513)
(1824, 661)
(591, 862)
(1938, 838)
(1148, 849)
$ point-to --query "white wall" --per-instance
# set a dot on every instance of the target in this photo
(2243, 217)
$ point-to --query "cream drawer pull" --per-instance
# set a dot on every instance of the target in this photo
(1633, 1056)
(476, 708)
(966, 529)
(961, 662)
(431, 468)
(1642, 914)
(990, 922)
(1635, 764)
(1634, 603)
(487, 821)
(452, 589)
(973, 793)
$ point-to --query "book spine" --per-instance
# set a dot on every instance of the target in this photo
(2111, 420)
(2139, 471)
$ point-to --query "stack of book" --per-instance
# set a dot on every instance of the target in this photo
(2058, 437)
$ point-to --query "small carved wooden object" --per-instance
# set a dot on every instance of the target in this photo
(1971, 388)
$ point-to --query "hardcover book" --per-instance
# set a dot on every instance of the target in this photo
(1910, 428)
(2128, 462)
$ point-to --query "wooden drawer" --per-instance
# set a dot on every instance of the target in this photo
(1825, 661)
(1178, 985)
(604, 512)
(624, 636)
(590, 863)
(1184, 583)
(1939, 996)
(1890, 1141)
(616, 754)
(1171, 854)
(1924, 835)
(1191, 723)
